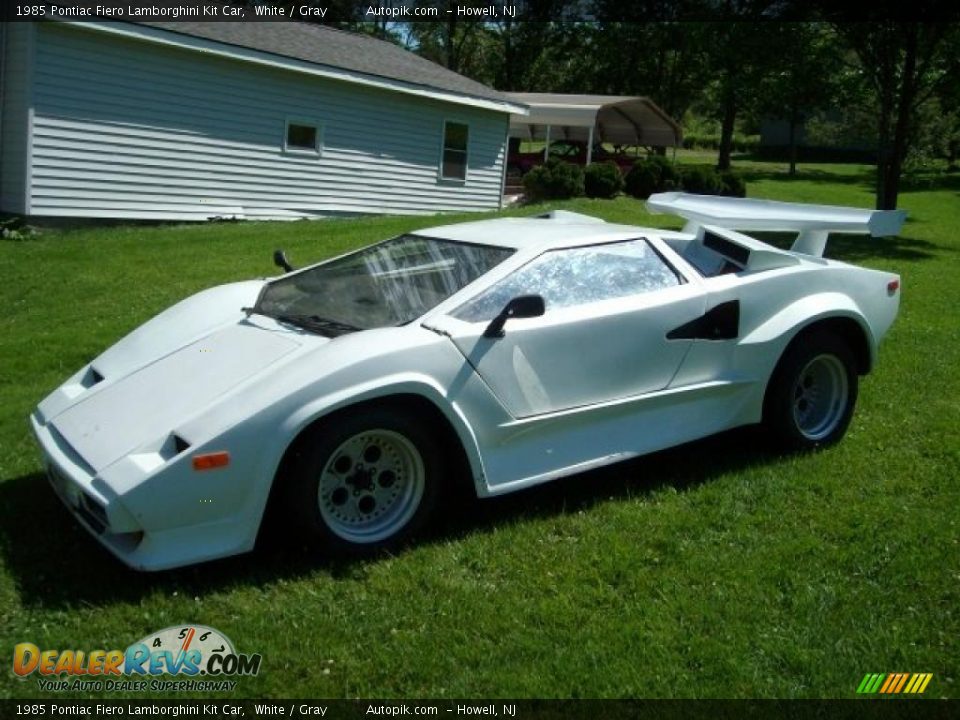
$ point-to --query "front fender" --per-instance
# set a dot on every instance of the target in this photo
(389, 386)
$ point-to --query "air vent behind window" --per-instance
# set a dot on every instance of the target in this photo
(729, 250)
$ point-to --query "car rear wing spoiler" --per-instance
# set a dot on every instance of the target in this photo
(812, 223)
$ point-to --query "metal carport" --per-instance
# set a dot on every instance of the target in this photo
(616, 119)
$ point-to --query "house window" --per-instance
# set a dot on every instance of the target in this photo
(454, 162)
(302, 136)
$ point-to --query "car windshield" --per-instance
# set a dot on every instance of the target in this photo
(388, 284)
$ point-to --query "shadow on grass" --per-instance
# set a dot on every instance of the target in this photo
(56, 564)
(927, 181)
(910, 182)
(858, 248)
(866, 178)
(855, 249)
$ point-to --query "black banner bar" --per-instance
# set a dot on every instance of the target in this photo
(861, 709)
(352, 12)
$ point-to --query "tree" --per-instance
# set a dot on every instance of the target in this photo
(903, 64)
(531, 53)
(741, 51)
(804, 79)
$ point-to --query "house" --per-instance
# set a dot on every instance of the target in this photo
(188, 121)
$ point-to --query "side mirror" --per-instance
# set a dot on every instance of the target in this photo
(280, 260)
(522, 306)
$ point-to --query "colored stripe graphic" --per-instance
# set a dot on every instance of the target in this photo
(894, 683)
(870, 683)
(901, 681)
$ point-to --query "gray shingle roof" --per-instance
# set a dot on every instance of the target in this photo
(335, 48)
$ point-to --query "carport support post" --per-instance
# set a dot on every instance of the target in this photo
(546, 148)
(590, 145)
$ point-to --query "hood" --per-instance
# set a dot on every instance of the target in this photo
(151, 401)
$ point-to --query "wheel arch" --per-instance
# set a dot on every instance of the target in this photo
(832, 310)
(849, 328)
(456, 436)
(852, 330)
(843, 333)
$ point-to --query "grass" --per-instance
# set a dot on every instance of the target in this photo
(718, 569)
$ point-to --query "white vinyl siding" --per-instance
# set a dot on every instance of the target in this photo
(125, 128)
(16, 64)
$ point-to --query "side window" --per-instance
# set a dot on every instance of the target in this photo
(576, 276)
(302, 136)
(453, 162)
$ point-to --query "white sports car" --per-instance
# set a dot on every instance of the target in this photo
(509, 351)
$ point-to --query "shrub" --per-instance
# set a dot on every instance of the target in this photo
(652, 175)
(669, 173)
(733, 185)
(602, 180)
(657, 174)
(642, 180)
(701, 180)
(16, 228)
(555, 180)
(740, 143)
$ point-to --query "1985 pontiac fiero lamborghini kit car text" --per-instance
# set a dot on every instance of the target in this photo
(509, 352)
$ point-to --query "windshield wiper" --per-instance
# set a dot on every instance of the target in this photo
(313, 323)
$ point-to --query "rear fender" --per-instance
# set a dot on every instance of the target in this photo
(781, 328)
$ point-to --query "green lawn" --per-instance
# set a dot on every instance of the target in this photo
(718, 569)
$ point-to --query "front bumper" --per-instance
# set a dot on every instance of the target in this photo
(90, 502)
(104, 515)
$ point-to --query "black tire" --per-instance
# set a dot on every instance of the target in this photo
(813, 391)
(372, 500)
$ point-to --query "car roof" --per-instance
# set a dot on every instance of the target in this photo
(560, 229)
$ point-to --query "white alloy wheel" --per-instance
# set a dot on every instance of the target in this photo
(371, 486)
(820, 397)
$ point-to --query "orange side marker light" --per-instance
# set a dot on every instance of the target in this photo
(210, 461)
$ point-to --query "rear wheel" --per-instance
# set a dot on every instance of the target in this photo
(812, 393)
(367, 481)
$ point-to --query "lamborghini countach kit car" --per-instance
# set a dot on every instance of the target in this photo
(507, 352)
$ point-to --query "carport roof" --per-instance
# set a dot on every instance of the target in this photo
(617, 119)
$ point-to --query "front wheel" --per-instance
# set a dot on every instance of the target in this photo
(812, 393)
(366, 481)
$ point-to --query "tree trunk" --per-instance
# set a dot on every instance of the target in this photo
(726, 131)
(890, 165)
(453, 52)
(793, 140)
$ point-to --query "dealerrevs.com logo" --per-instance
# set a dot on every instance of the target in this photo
(189, 651)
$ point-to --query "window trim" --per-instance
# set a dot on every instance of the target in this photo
(317, 151)
(443, 148)
(682, 280)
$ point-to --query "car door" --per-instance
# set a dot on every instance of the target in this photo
(602, 337)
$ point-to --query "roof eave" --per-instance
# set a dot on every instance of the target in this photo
(260, 57)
